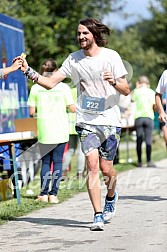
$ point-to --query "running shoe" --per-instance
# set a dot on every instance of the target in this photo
(110, 208)
(98, 224)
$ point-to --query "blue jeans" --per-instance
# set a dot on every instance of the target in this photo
(49, 153)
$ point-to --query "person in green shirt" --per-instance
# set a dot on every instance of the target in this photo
(50, 109)
(144, 98)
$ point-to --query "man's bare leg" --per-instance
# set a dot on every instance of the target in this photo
(110, 176)
(93, 180)
(94, 189)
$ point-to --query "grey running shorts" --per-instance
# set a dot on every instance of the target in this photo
(104, 138)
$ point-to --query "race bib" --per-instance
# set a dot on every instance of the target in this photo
(93, 105)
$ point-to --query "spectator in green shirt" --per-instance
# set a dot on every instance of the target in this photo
(49, 106)
(144, 98)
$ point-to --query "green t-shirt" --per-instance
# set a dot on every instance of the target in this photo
(144, 99)
(52, 118)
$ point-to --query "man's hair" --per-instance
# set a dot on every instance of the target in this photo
(48, 66)
(99, 30)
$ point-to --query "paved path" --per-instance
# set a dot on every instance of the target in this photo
(140, 223)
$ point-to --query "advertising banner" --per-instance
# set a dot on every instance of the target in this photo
(13, 88)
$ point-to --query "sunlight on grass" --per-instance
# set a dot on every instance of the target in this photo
(68, 188)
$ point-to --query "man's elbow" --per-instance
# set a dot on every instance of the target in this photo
(126, 91)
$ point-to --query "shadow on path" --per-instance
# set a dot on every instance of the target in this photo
(56, 222)
(143, 198)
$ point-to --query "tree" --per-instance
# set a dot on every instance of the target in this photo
(153, 35)
(50, 26)
(144, 45)
(154, 31)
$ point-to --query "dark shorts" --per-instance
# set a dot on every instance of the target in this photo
(162, 124)
(104, 138)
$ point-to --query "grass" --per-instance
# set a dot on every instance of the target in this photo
(9, 209)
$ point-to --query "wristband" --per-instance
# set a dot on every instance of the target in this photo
(26, 71)
(114, 84)
(31, 74)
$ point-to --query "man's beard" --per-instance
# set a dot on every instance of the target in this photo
(87, 47)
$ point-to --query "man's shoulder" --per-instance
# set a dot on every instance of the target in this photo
(75, 54)
(109, 50)
(165, 73)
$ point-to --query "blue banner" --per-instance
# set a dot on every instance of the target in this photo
(13, 88)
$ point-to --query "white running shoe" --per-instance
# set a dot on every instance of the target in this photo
(98, 224)
(110, 208)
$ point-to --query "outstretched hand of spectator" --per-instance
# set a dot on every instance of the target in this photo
(21, 58)
(17, 64)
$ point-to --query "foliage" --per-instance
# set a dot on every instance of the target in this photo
(50, 26)
(154, 31)
(143, 44)
(143, 60)
(153, 36)
(50, 31)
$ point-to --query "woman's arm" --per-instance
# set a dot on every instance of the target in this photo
(32, 111)
(15, 66)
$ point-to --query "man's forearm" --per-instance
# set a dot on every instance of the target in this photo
(122, 86)
(159, 105)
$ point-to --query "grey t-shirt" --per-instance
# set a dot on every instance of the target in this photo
(97, 100)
